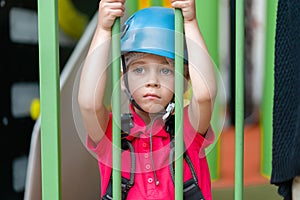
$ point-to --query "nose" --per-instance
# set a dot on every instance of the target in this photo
(152, 80)
(152, 84)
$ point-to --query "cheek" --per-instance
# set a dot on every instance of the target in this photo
(134, 84)
(169, 84)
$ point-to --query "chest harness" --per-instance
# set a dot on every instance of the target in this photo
(191, 190)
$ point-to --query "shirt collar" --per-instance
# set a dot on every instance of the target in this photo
(141, 130)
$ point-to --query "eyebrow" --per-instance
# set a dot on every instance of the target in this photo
(141, 62)
(137, 62)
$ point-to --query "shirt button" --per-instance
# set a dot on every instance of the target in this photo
(150, 180)
(145, 145)
(147, 166)
(146, 155)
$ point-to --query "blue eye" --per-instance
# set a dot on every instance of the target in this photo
(139, 70)
(166, 71)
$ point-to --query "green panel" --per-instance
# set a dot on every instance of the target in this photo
(268, 89)
(208, 18)
(210, 31)
(131, 6)
(239, 99)
(49, 96)
(156, 2)
(213, 159)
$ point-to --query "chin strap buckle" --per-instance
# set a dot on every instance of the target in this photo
(169, 111)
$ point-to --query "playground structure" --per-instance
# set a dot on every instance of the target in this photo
(63, 153)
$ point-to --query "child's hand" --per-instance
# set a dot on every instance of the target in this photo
(187, 7)
(109, 10)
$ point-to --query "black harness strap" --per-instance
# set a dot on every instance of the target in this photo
(125, 183)
(191, 189)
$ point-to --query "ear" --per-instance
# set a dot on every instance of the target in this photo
(123, 87)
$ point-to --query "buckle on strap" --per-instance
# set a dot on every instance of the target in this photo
(126, 185)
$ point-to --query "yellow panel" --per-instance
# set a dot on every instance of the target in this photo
(144, 4)
(166, 3)
(71, 20)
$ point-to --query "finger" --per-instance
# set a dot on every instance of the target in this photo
(181, 3)
(112, 1)
(113, 8)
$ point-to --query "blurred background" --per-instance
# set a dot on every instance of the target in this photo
(19, 88)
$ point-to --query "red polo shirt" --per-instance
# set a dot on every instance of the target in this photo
(146, 163)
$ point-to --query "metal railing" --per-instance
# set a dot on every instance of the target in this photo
(50, 99)
(239, 101)
(50, 104)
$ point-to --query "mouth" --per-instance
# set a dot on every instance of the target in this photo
(151, 96)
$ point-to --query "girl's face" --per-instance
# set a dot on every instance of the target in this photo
(151, 82)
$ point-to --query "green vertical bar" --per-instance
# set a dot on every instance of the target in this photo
(210, 31)
(116, 109)
(268, 89)
(156, 3)
(179, 90)
(239, 106)
(49, 98)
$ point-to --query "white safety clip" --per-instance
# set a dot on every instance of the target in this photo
(169, 111)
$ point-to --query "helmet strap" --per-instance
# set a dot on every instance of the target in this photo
(127, 91)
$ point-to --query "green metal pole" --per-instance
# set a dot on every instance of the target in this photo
(49, 98)
(208, 18)
(268, 89)
(116, 109)
(239, 106)
(179, 90)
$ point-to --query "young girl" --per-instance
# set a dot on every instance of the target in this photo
(147, 47)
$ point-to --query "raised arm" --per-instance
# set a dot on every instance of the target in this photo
(94, 73)
(201, 69)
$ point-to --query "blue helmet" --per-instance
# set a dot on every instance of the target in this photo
(150, 30)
